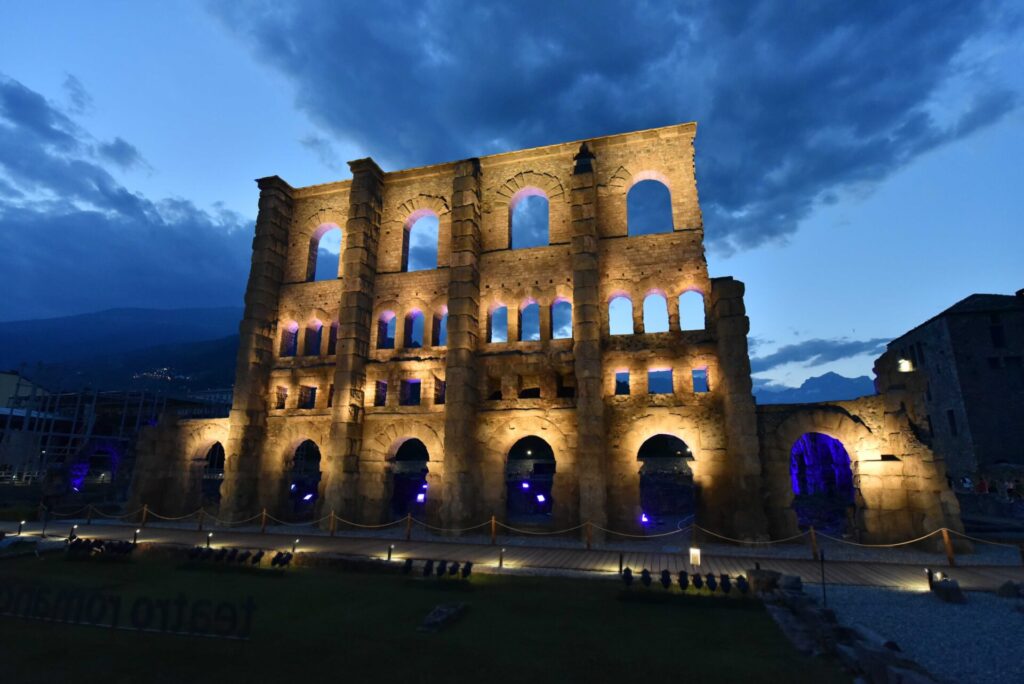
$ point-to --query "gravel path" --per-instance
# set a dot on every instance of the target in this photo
(979, 641)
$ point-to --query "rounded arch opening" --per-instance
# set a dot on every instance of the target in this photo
(822, 480)
(528, 219)
(561, 319)
(419, 241)
(213, 473)
(648, 208)
(409, 479)
(691, 311)
(387, 323)
(529, 321)
(324, 253)
(667, 492)
(655, 313)
(620, 315)
(529, 479)
(304, 483)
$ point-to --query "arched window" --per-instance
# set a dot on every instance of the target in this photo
(311, 345)
(528, 219)
(529, 479)
(648, 208)
(439, 333)
(823, 491)
(529, 321)
(213, 473)
(655, 313)
(497, 325)
(667, 494)
(386, 330)
(691, 311)
(332, 339)
(413, 329)
(409, 479)
(419, 241)
(561, 320)
(324, 253)
(620, 316)
(305, 479)
(289, 338)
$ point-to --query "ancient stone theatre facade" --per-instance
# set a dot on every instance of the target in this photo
(498, 372)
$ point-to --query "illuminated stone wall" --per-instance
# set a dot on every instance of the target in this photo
(595, 434)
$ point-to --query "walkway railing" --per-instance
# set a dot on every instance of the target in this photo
(203, 517)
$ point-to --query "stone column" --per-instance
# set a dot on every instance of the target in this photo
(734, 502)
(347, 486)
(545, 320)
(591, 455)
(673, 312)
(248, 471)
(462, 397)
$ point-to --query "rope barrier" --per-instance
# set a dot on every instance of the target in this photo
(177, 517)
(230, 523)
(67, 515)
(881, 546)
(642, 536)
(368, 527)
(983, 541)
(753, 542)
(539, 534)
(297, 524)
(456, 530)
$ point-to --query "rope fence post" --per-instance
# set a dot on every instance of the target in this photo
(814, 543)
(88, 514)
(949, 547)
(590, 534)
(408, 526)
(263, 522)
(145, 514)
(494, 530)
(43, 516)
(201, 514)
(334, 522)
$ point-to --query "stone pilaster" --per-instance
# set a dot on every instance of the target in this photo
(245, 477)
(591, 455)
(345, 487)
(733, 502)
(461, 399)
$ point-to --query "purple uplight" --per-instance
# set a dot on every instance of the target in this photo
(307, 497)
(644, 519)
(420, 498)
(526, 485)
(424, 485)
(293, 488)
(540, 498)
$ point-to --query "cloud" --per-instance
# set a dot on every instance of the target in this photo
(79, 99)
(817, 352)
(120, 152)
(796, 105)
(72, 239)
(323, 149)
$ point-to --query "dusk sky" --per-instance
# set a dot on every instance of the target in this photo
(859, 164)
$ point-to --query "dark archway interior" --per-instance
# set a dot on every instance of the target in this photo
(305, 479)
(213, 473)
(409, 479)
(529, 477)
(822, 480)
(667, 493)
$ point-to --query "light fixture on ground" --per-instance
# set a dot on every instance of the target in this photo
(20, 525)
(135, 537)
(391, 547)
(208, 538)
(501, 558)
(294, 544)
(694, 556)
(71, 533)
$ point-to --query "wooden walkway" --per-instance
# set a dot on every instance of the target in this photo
(909, 576)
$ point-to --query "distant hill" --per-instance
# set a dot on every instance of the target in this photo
(827, 387)
(108, 333)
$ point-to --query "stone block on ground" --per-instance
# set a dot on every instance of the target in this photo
(949, 591)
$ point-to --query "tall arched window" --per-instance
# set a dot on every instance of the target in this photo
(332, 339)
(413, 329)
(439, 333)
(561, 319)
(691, 311)
(311, 342)
(648, 208)
(324, 253)
(289, 338)
(419, 241)
(497, 324)
(528, 219)
(529, 321)
(620, 316)
(386, 330)
(655, 313)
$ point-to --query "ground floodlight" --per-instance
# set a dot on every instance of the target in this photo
(407, 566)
(428, 568)
(453, 569)
(645, 577)
(712, 582)
(698, 581)
(742, 584)
(627, 577)
(684, 580)
(421, 497)
(442, 568)
(540, 498)
(726, 583)
(526, 485)
(467, 569)
(644, 519)
(666, 579)
(257, 557)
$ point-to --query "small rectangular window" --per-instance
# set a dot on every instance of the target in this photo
(330, 396)
(494, 389)
(621, 382)
(566, 386)
(951, 417)
(307, 397)
(409, 393)
(282, 397)
(701, 382)
(440, 386)
(380, 393)
(659, 381)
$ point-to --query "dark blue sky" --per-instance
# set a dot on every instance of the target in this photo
(858, 163)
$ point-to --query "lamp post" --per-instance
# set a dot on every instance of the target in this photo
(391, 547)
(20, 525)
(135, 537)
(209, 536)
(501, 558)
(71, 533)
(294, 544)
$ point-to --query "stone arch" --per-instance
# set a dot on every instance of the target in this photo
(312, 266)
(666, 483)
(382, 440)
(547, 183)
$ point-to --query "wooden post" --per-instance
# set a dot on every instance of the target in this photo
(145, 515)
(334, 522)
(201, 514)
(88, 514)
(814, 544)
(494, 530)
(590, 534)
(408, 526)
(263, 522)
(949, 547)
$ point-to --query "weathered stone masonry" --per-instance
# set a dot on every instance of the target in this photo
(739, 452)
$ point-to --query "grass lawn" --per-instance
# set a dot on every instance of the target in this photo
(322, 624)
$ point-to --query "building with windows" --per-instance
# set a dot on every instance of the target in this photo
(964, 372)
(532, 335)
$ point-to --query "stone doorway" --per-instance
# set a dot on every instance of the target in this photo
(667, 493)
(822, 481)
(305, 480)
(529, 478)
(409, 480)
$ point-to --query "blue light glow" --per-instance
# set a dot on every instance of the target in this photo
(307, 497)
(420, 498)
(293, 488)
(644, 519)
(526, 485)
(540, 498)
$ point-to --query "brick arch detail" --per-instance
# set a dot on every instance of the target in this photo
(550, 184)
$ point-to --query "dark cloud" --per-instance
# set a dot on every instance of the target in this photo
(120, 152)
(72, 239)
(323, 149)
(79, 100)
(817, 352)
(796, 103)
